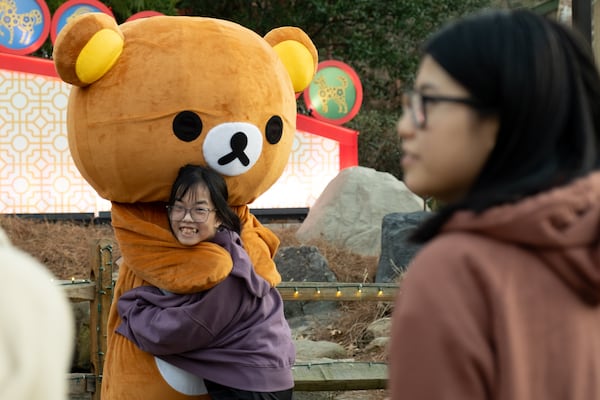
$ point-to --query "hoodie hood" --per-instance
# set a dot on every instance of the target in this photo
(561, 225)
(242, 266)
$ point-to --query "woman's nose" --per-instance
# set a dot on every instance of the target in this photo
(405, 126)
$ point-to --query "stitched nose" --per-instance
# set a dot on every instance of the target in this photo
(238, 144)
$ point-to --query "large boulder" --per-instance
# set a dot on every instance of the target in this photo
(350, 210)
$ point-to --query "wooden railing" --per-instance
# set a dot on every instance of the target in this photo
(308, 376)
(98, 290)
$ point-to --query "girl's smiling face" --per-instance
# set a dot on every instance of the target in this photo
(193, 218)
(446, 143)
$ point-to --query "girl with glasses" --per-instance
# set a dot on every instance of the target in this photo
(231, 340)
(503, 300)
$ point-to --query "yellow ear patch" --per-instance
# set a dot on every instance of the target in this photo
(90, 31)
(98, 55)
(298, 53)
(298, 61)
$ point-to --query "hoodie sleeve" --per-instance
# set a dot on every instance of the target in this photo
(440, 341)
(163, 323)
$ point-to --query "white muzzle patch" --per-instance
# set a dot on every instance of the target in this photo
(233, 148)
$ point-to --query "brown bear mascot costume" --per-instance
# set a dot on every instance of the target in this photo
(152, 95)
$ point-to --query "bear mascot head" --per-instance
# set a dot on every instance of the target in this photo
(152, 95)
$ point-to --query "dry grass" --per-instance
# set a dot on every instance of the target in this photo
(64, 247)
(346, 266)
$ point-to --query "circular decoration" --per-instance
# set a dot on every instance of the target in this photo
(24, 25)
(73, 8)
(335, 94)
(144, 14)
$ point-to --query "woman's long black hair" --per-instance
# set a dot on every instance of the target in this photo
(190, 177)
(541, 80)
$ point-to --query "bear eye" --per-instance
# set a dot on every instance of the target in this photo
(187, 126)
(274, 130)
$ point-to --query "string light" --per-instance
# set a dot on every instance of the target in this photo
(359, 290)
(308, 291)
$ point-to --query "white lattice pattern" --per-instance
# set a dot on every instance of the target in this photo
(314, 162)
(37, 174)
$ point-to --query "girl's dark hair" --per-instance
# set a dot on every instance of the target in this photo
(190, 177)
(541, 80)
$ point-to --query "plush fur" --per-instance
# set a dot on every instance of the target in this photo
(165, 92)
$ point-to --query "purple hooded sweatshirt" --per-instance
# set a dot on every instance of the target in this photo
(234, 334)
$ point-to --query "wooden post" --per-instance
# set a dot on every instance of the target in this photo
(596, 30)
(101, 273)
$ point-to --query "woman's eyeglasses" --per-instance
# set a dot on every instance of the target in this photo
(416, 102)
(198, 214)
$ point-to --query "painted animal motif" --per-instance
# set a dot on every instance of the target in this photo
(24, 22)
(337, 94)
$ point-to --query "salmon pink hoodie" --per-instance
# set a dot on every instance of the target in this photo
(504, 305)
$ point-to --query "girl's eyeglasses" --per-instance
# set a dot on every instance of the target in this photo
(198, 214)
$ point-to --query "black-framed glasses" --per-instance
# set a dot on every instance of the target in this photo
(198, 214)
(416, 102)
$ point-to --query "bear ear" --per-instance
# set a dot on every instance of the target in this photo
(87, 48)
(298, 53)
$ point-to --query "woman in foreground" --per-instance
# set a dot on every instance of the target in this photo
(502, 302)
